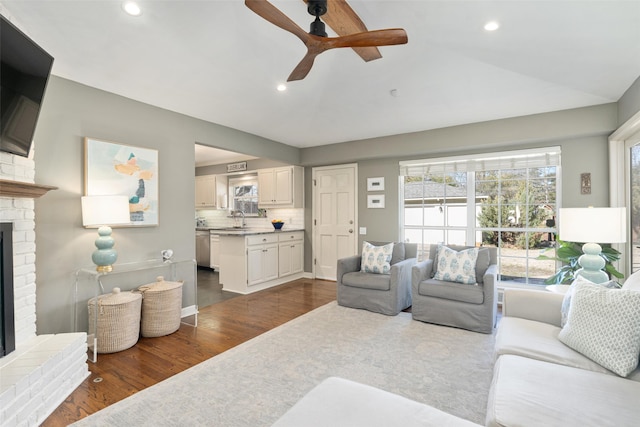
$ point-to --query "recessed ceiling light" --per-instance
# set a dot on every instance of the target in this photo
(281, 87)
(491, 26)
(132, 8)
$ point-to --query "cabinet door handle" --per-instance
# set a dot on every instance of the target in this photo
(351, 230)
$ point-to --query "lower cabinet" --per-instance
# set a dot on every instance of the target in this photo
(255, 262)
(262, 261)
(290, 253)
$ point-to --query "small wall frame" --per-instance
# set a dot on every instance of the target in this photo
(375, 201)
(375, 184)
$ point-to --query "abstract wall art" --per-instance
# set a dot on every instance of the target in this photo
(117, 169)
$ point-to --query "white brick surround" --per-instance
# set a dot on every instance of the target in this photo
(43, 370)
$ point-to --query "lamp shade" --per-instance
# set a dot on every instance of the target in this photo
(597, 225)
(105, 210)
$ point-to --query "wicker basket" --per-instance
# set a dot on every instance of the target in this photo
(117, 317)
(161, 307)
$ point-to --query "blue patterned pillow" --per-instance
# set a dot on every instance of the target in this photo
(376, 259)
(454, 266)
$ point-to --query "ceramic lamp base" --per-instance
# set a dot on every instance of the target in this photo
(105, 256)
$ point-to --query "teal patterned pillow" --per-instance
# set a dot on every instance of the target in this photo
(454, 266)
(376, 259)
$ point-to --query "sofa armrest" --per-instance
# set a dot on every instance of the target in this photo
(541, 306)
(348, 265)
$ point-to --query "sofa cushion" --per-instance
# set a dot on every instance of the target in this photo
(566, 302)
(376, 259)
(456, 266)
(604, 325)
(338, 402)
(398, 253)
(539, 340)
(358, 279)
(529, 392)
(472, 294)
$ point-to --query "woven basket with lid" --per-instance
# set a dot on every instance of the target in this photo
(161, 307)
(116, 316)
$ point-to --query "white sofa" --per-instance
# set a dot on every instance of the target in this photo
(539, 381)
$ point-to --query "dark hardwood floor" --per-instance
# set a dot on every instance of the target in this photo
(221, 326)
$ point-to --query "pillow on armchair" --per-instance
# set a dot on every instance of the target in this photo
(456, 266)
(376, 259)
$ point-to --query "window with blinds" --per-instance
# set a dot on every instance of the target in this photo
(508, 200)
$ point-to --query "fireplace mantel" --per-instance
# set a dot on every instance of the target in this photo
(23, 189)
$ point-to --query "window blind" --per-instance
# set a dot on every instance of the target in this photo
(517, 159)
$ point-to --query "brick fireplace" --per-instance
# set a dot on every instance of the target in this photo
(44, 369)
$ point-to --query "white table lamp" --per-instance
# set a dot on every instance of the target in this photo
(103, 211)
(593, 225)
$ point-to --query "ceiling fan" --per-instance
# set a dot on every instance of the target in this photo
(342, 19)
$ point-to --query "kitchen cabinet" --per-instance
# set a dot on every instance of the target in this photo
(211, 191)
(281, 187)
(252, 262)
(290, 253)
(214, 251)
(262, 259)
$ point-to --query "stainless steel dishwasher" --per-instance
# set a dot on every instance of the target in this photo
(203, 257)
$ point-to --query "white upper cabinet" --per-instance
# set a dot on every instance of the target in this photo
(281, 187)
(211, 191)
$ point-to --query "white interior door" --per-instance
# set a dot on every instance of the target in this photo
(334, 217)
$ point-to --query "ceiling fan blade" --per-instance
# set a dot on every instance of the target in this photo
(344, 21)
(304, 66)
(272, 14)
(388, 37)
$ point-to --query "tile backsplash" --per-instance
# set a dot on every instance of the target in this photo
(293, 218)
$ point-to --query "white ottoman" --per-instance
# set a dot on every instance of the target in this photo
(338, 402)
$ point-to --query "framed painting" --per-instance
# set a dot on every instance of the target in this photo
(117, 169)
(375, 184)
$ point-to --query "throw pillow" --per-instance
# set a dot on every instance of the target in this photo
(454, 266)
(566, 302)
(376, 259)
(604, 325)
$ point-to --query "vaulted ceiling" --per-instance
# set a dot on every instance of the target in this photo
(216, 60)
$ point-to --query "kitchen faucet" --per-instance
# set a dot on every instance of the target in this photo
(241, 212)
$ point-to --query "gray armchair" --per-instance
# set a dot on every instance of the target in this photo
(472, 307)
(381, 293)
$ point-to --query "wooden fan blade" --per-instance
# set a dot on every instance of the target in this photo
(389, 37)
(272, 14)
(344, 21)
(303, 68)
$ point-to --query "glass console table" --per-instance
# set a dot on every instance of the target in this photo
(90, 283)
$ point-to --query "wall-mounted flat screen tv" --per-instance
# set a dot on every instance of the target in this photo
(24, 72)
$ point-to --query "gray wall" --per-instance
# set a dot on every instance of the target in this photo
(72, 111)
(582, 134)
(629, 104)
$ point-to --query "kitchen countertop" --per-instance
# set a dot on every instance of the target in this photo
(229, 231)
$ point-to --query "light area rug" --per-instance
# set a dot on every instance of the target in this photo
(256, 382)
